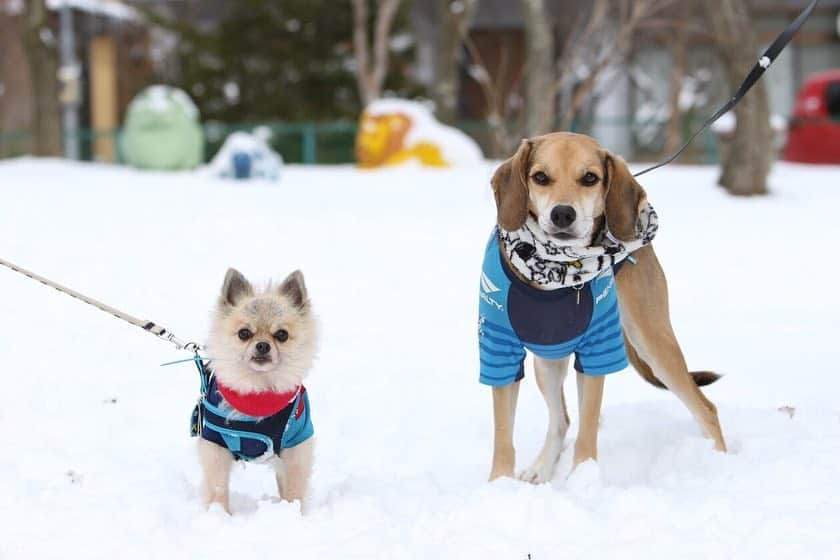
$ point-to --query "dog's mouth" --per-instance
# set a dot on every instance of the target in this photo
(576, 236)
(261, 359)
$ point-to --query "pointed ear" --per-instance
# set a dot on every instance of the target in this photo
(625, 198)
(294, 288)
(234, 288)
(510, 188)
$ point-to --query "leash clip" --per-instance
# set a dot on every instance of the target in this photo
(610, 237)
(180, 344)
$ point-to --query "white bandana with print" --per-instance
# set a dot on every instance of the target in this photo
(549, 265)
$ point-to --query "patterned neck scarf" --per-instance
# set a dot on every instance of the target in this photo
(550, 265)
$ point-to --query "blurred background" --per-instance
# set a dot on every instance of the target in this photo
(639, 75)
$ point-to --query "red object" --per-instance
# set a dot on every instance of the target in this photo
(264, 403)
(814, 129)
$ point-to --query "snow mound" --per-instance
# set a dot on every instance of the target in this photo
(246, 156)
(162, 130)
(162, 98)
(728, 121)
(108, 8)
(398, 130)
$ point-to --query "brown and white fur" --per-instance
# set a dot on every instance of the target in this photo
(238, 364)
(572, 170)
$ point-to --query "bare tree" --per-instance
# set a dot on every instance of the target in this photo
(677, 40)
(454, 18)
(39, 44)
(540, 93)
(496, 102)
(15, 87)
(745, 164)
(599, 38)
(371, 70)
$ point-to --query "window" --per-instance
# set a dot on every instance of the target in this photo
(832, 100)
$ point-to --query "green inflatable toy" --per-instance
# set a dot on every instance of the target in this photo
(162, 131)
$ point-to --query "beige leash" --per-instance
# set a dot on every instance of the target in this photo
(149, 326)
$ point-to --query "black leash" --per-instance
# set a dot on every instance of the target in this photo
(755, 74)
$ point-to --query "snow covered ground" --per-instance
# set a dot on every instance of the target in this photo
(96, 461)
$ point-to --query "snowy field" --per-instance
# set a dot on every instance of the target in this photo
(96, 460)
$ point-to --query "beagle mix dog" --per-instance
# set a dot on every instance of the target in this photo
(573, 187)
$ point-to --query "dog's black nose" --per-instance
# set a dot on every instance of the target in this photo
(563, 216)
(263, 348)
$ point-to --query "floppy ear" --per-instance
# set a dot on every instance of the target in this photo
(625, 199)
(510, 188)
(234, 287)
(294, 288)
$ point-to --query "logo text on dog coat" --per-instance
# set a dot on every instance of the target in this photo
(605, 291)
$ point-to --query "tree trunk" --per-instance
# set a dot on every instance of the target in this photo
(454, 18)
(39, 44)
(16, 89)
(539, 69)
(370, 74)
(746, 164)
(673, 136)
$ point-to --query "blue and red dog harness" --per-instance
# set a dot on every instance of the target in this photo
(247, 437)
(553, 324)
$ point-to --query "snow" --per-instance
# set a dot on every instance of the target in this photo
(96, 461)
(263, 162)
(109, 8)
(160, 98)
(728, 121)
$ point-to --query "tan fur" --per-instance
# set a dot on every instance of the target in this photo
(590, 391)
(510, 188)
(504, 409)
(293, 471)
(216, 463)
(642, 293)
(624, 200)
(643, 300)
(550, 375)
(263, 313)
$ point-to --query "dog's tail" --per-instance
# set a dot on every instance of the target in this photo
(701, 378)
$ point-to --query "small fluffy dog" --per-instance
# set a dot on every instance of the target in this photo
(254, 406)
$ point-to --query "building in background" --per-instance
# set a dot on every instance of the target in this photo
(629, 109)
(117, 54)
(632, 110)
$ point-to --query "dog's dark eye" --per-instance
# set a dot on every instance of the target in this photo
(244, 334)
(282, 335)
(589, 179)
(540, 178)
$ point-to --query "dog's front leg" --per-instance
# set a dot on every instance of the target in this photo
(294, 470)
(590, 393)
(550, 375)
(504, 412)
(216, 463)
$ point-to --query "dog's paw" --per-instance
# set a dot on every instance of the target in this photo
(218, 510)
(538, 473)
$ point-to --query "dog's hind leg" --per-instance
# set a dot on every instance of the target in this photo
(504, 412)
(550, 375)
(643, 299)
(293, 471)
(216, 463)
